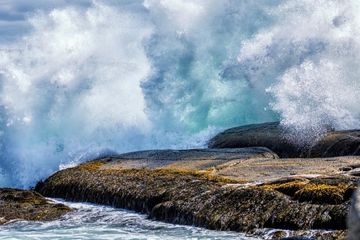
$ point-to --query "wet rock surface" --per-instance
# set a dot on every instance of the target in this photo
(354, 218)
(29, 205)
(190, 159)
(271, 135)
(219, 189)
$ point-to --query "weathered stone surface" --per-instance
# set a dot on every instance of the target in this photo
(188, 159)
(243, 164)
(302, 235)
(260, 170)
(354, 218)
(18, 204)
(194, 198)
(271, 135)
(256, 135)
(217, 190)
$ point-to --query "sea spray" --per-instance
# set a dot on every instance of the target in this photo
(92, 78)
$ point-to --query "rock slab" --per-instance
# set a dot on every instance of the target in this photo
(272, 136)
(218, 189)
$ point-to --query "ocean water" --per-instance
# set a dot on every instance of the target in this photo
(82, 78)
(95, 222)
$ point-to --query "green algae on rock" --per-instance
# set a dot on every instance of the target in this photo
(16, 204)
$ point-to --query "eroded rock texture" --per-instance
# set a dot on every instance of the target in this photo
(272, 136)
(29, 205)
(218, 189)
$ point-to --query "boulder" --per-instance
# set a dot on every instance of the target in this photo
(271, 135)
(16, 204)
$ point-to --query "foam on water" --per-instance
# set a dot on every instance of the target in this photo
(90, 221)
(93, 77)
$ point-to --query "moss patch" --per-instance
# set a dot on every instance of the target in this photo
(314, 192)
(288, 188)
(323, 193)
(173, 173)
(163, 172)
(28, 205)
(92, 165)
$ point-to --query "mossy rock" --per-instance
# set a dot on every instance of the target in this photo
(322, 193)
(315, 191)
(28, 205)
(288, 188)
(196, 197)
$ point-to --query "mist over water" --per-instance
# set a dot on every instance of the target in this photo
(83, 79)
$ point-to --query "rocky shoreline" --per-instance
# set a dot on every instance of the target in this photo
(201, 199)
(240, 183)
(16, 205)
(216, 189)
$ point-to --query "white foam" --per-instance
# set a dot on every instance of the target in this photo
(317, 90)
(134, 75)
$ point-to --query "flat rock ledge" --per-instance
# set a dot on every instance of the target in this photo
(245, 190)
(16, 204)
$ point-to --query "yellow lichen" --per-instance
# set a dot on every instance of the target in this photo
(165, 172)
(92, 165)
(288, 188)
(173, 173)
(320, 193)
(313, 192)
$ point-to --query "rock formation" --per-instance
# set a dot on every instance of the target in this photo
(18, 204)
(224, 189)
(271, 135)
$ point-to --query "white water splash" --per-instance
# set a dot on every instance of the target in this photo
(312, 56)
(90, 221)
(90, 78)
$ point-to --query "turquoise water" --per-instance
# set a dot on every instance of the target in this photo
(90, 221)
(83, 78)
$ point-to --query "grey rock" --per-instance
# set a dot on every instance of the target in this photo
(354, 218)
(159, 158)
(271, 135)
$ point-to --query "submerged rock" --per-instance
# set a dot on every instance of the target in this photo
(29, 205)
(216, 189)
(271, 135)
